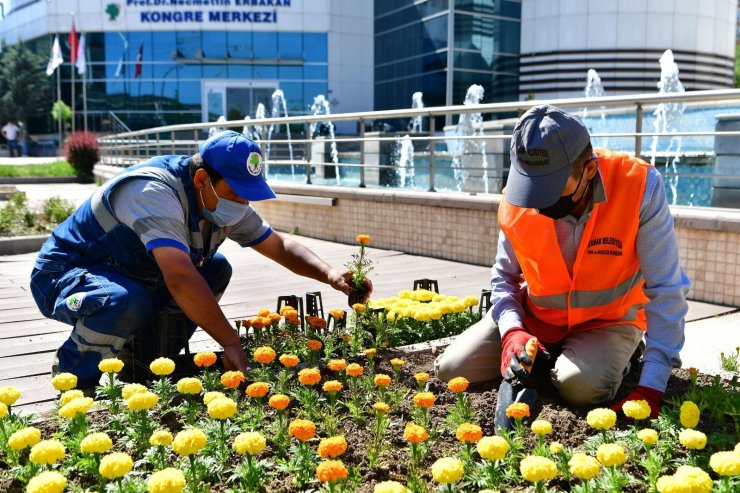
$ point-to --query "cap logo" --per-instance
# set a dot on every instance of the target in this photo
(254, 163)
(542, 154)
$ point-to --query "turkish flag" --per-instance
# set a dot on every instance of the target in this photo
(139, 57)
(72, 41)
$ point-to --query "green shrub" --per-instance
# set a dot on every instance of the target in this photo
(17, 220)
(82, 152)
(56, 210)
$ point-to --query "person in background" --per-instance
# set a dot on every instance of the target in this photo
(10, 131)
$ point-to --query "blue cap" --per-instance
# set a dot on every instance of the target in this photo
(545, 144)
(239, 160)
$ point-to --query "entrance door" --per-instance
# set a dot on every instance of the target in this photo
(235, 99)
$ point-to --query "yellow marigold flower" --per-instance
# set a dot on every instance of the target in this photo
(279, 402)
(314, 344)
(188, 442)
(698, 479)
(648, 436)
(692, 439)
(332, 447)
(358, 307)
(689, 416)
(9, 394)
(382, 380)
(447, 470)
(3, 410)
(370, 352)
(332, 386)
(250, 443)
(337, 365)
(232, 379)
(535, 468)
(363, 239)
(725, 463)
(96, 443)
(142, 402)
(337, 313)
(160, 438)
(354, 370)
(169, 480)
(289, 360)
(584, 466)
(75, 407)
(263, 312)
(470, 301)
(221, 408)
(47, 482)
(517, 410)
(737, 448)
(25, 437)
(636, 409)
(556, 448)
(69, 396)
(469, 433)
(424, 399)
(64, 381)
(541, 427)
(189, 385)
(205, 359)
(309, 376)
(302, 429)
(458, 384)
(414, 433)
(672, 484)
(115, 465)
(264, 355)
(601, 418)
(110, 365)
(47, 452)
(257, 390)
(381, 407)
(389, 487)
(611, 454)
(397, 363)
(492, 448)
(132, 388)
(421, 377)
(162, 366)
(330, 471)
(209, 396)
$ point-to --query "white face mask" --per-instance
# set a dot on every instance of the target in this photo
(227, 213)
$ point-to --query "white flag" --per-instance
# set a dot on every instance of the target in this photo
(81, 62)
(56, 57)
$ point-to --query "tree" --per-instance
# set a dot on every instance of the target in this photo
(24, 86)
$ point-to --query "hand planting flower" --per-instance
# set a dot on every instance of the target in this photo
(64, 381)
(332, 472)
(537, 470)
(447, 471)
(689, 415)
(168, 480)
(360, 266)
(47, 482)
(332, 447)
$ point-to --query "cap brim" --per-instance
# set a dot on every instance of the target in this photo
(535, 192)
(256, 190)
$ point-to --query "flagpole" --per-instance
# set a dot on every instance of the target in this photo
(73, 56)
(60, 121)
(84, 98)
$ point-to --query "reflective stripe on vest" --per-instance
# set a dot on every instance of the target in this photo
(588, 299)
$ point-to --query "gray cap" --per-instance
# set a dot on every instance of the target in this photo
(545, 144)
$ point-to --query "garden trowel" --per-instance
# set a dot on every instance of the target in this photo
(513, 391)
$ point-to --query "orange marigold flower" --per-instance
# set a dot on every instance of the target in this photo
(289, 360)
(331, 471)
(204, 359)
(346, 338)
(468, 432)
(363, 239)
(421, 377)
(279, 402)
(309, 376)
(316, 322)
(259, 322)
(337, 364)
(458, 384)
(286, 309)
(258, 390)
(264, 355)
(302, 429)
(273, 317)
(518, 410)
(354, 370)
(414, 433)
(332, 447)
(358, 307)
(381, 407)
(332, 386)
(382, 380)
(263, 312)
(370, 352)
(293, 319)
(337, 313)
(232, 379)
(314, 345)
(424, 399)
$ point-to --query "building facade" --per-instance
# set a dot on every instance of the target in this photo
(162, 62)
(623, 40)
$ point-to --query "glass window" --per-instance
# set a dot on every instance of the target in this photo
(190, 71)
(240, 45)
(167, 92)
(265, 72)
(504, 8)
(189, 93)
(164, 70)
(214, 45)
(240, 71)
(293, 92)
(314, 47)
(290, 72)
(402, 15)
(290, 46)
(163, 46)
(311, 90)
(188, 43)
(315, 72)
(265, 46)
(215, 71)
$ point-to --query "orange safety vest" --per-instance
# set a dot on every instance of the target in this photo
(607, 286)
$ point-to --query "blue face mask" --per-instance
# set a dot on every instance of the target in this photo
(227, 212)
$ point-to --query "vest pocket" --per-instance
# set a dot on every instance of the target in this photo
(81, 294)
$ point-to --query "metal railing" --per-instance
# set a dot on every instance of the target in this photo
(365, 147)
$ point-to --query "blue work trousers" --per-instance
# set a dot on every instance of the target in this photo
(106, 309)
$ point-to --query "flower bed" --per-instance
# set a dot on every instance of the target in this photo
(318, 415)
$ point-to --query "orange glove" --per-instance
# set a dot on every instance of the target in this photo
(518, 351)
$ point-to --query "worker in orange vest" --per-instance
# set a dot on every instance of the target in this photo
(587, 263)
